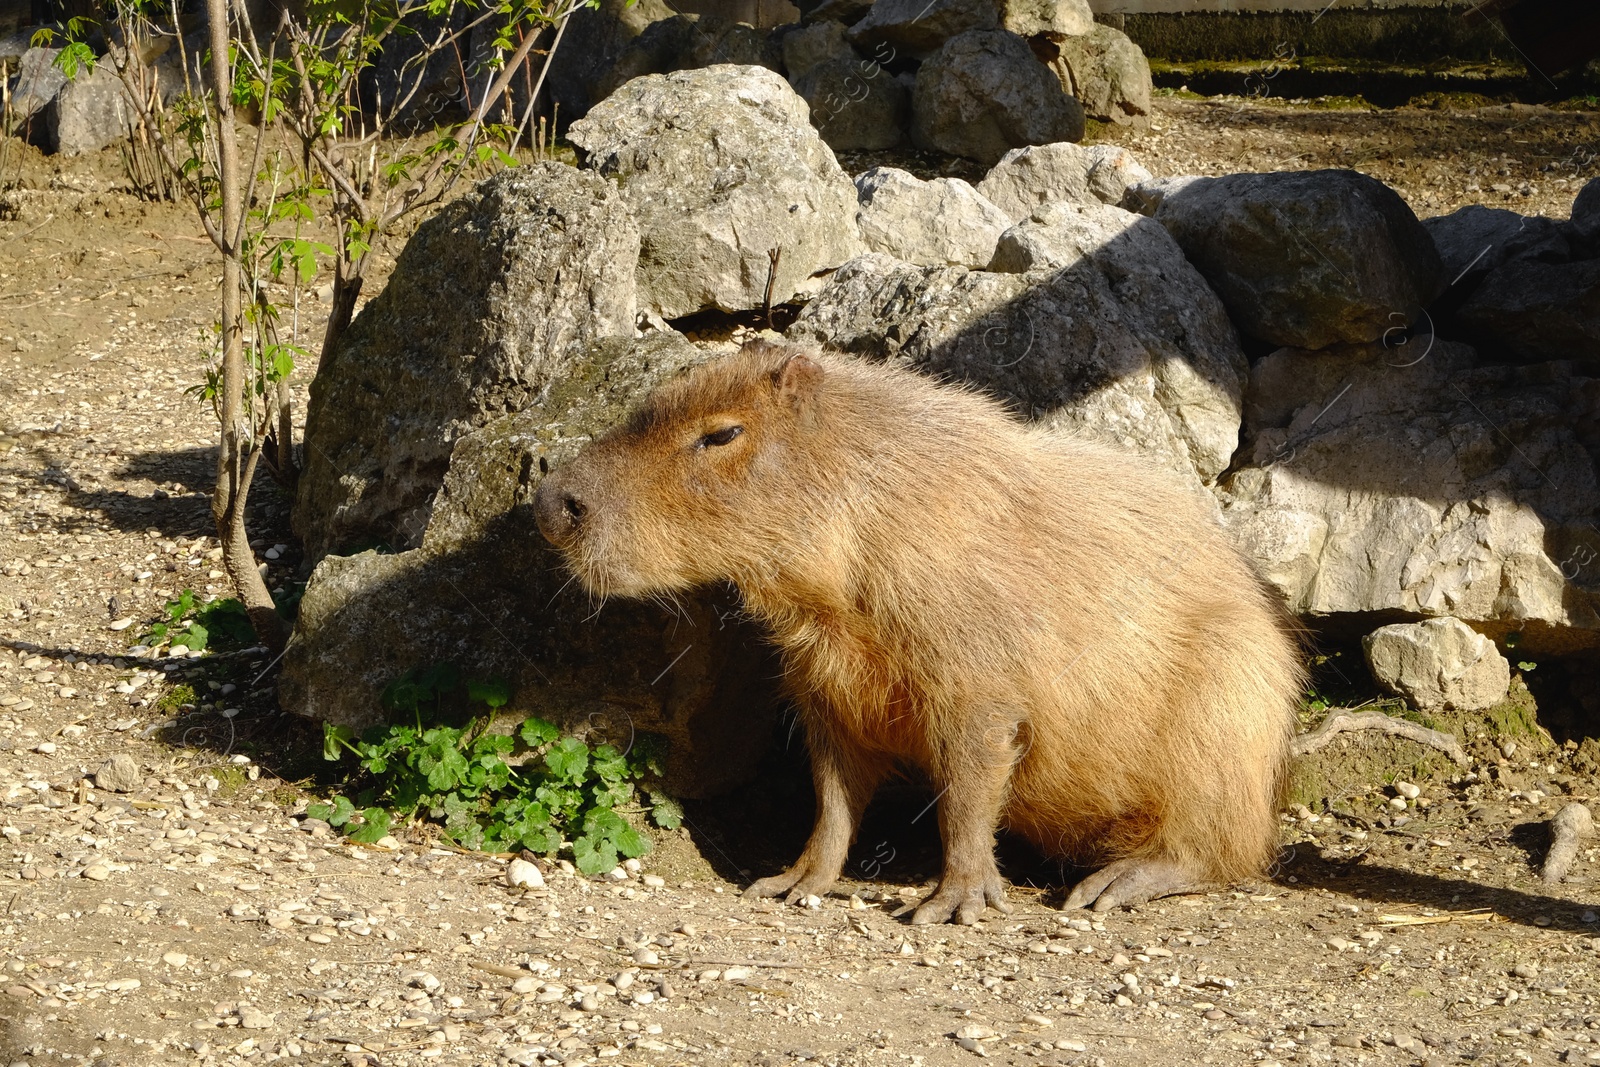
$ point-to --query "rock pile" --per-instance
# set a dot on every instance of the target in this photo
(1383, 458)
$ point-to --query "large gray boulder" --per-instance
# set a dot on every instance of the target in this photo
(937, 223)
(688, 42)
(1537, 311)
(1584, 225)
(1028, 178)
(86, 114)
(38, 80)
(803, 47)
(720, 166)
(917, 28)
(484, 593)
(595, 38)
(1107, 73)
(487, 305)
(855, 103)
(1438, 664)
(1307, 258)
(983, 93)
(1053, 19)
(1125, 341)
(1409, 480)
(1475, 239)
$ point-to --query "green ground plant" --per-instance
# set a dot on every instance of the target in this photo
(535, 789)
(190, 624)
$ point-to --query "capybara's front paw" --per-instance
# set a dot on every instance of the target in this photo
(798, 882)
(1124, 883)
(962, 900)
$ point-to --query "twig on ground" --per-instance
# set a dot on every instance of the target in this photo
(1571, 825)
(1339, 722)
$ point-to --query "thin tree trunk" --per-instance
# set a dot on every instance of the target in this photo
(234, 469)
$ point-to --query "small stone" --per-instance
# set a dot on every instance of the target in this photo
(1397, 803)
(736, 974)
(422, 980)
(1526, 970)
(523, 986)
(654, 881)
(1215, 1015)
(121, 624)
(1408, 790)
(1508, 748)
(1038, 1020)
(618, 873)
(174, 959)
(520, 874)
(45, 748)
(97, 872)
(976, 1032)
(1071, 1046)
(242, 972)
(119, 774)
(646, 957)
(122, 985)
(251, 1019)
(319, 939)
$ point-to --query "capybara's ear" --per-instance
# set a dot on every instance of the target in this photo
(797, 380)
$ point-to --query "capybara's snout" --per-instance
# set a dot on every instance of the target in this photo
(559, 509)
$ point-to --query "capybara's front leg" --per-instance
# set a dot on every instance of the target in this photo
(844, 784)
(973, 782)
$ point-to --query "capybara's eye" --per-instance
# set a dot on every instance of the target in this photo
(719, 437)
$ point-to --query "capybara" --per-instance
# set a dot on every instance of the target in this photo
(1055, 631)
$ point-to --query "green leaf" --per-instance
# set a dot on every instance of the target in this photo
(494, 692)
(593, 856)
(667, 812)
(631, 843)
(536, 732)
(334, 741)
(1526, 665)
(568, 758)
(375, 825)
(341, 812)
(319, 811)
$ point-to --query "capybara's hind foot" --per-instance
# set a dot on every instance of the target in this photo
(962, 901)
(1132, 881)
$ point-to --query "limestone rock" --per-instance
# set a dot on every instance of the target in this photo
(87, 113)
(855, 103)
(1475, 239)
(1411, 480)
(721, 165)
(486, 594)
(1107, 73)
(1053, 18)
(119, 774)
(1538, 311)
(489, 302)
(805, 46)
(942, 222)
(1126, 343)
(38, 82)
(1584, 226)
(983, 93)
(1027, 178)
(688, 42)
(1307, 258)
(1438, 664)
(917, 28)
(596, 37)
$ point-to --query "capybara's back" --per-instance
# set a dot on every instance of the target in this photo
(1056, 631)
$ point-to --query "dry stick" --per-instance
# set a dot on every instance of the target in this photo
(1345, 722)
(1570, 826)
(772, 277)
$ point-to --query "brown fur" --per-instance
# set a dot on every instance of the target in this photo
(1054, 630)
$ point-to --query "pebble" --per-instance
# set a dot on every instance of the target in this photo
(520, 874)
(174, 959)
(97, 872)
(119, 774)
(45, 748)
(646, 957)
(654, 881)
(1408, 790)
(1397, 803)
(122, 985)
(525, 985)
(121, 624)
(1526, 970)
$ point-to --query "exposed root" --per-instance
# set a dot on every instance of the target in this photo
(1340, 722)
(1570, 826)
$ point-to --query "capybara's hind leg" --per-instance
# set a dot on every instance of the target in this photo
(1123, 883)
(972, 782)
(845, 782)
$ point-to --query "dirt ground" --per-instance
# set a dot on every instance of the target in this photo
(195, 919)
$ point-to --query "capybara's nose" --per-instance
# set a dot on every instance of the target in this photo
(558, 510)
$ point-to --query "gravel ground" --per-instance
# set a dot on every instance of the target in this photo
(172, 906)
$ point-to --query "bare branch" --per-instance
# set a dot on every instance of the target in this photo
(1341, 721)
